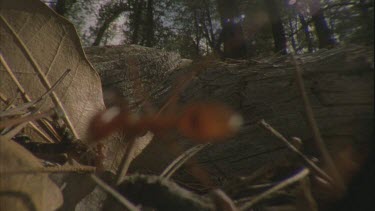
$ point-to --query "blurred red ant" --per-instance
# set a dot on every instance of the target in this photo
(202, 122)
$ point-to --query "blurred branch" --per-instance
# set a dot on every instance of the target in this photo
(17, 110)
(31, 116)
(180, 160)
(48, 170)
(293, 148)
(338, 181)
(306, 189)
(295, 178)
(125, 161)
(127, 204)
(33, 126)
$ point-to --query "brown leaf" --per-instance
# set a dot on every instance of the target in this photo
(24, 191)
(39, 46)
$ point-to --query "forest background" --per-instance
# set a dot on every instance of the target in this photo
(229, 28)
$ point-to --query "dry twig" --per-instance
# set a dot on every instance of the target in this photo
(180, 160)
(297, 177)
(20, 109)
(11, 133)
(25, 118)
(222, 201)
(294, 149)
(33, 126)
(15, 80)
(48, 170)
(338, 181)
(125, 161)
(127, 204)
(306, 189)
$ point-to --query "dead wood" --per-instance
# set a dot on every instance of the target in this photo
(339, 84)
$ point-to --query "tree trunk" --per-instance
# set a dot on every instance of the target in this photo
(293, 40)
(136, 21)
(231, 35)
(306, 30)
(368, 21)
(197, 32)
(104, 27)
(277, 26)
(208, 32)
(150, 35)
(325, 35)
(62, 6)
(108, 14)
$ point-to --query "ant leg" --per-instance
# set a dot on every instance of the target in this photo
(139, 92)
(184, 80)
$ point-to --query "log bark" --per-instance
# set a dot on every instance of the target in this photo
(339, 83)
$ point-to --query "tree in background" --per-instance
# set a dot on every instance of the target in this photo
(189, 31)
(141, 19)
(232, 29)
(298, 12)
(325, 35)
(232, 37)
(306, 31)
(195, 29)
(367, 17)
(136, 20)
(62, 6)
(274, 13)
(149, 37)
(108, 13)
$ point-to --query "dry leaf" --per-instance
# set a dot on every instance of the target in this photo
(37, 43)
(24, 191)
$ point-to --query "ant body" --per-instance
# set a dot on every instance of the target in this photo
(202, 122)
